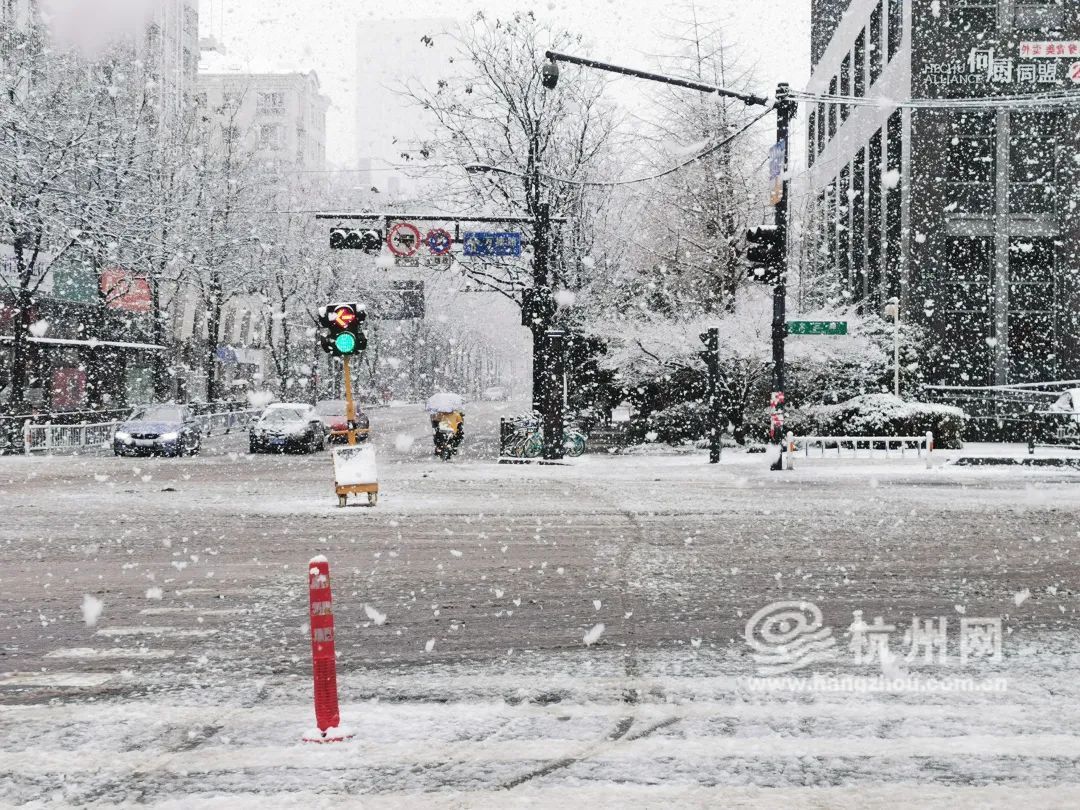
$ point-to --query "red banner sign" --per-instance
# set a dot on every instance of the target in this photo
(122, 290)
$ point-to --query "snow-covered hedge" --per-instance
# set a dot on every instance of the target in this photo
(881, 415)
(685, 422)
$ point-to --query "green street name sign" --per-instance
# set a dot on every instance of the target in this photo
(817, 327)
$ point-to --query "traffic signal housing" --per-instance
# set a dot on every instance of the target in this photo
(366, 239)
(765, 253)
(549, 75)
(342, 335)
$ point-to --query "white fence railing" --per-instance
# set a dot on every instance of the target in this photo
(875, 447)
(61, 438)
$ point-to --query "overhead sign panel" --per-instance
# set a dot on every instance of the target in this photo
(491, 243)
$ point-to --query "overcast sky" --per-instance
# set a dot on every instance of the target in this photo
(324, 35)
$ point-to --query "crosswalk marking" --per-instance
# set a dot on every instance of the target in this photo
(115, 652)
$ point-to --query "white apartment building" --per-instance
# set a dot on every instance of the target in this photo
(282, 114)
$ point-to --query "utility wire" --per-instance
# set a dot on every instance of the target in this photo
(613, 183)
(1048, 99)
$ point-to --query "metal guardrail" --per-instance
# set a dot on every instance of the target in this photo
(49, 438)
(888, 447)
(53, 438)
(228, 420)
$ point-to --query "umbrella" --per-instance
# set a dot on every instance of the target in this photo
(445, 403)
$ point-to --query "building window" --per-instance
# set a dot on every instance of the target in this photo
(845, 86)
(271, 136)
(896, 26)
(270, 103)
(831, 219)
(874, 52)
(859, 87)
(191, 22)
(874, 217)
(893, 202)
(1041, 16)
(970, 159)
(966, 284)
(832, 108)
(822, 114)
(858, 226)
(226, 335)
(843, 228)
(1032, 163)
(964, 293)
(974, 15)
(245, 329)
(1031, 310)
(971, 171)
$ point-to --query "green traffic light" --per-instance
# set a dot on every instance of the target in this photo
(345, 343)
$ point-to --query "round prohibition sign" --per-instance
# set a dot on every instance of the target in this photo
(403, 239)
(439, 241)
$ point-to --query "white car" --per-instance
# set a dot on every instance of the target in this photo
(495, 394)
(1068, 402)
(287, 426)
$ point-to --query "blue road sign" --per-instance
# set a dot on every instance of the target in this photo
(488, 243)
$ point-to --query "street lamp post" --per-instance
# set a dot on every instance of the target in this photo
(892, 310)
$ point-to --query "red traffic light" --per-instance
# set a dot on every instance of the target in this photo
(343, 316)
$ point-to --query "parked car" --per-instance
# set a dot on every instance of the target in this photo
(287, 426)
(1068, 403)
(332, 412)
(159, 430)
(495, 393)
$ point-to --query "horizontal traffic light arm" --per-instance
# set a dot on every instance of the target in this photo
(434, 218)
(746, 98)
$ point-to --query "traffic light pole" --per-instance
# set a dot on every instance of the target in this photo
(540, 322)
(712, 365)
(350, 406)
(785, 111)
(553, 406)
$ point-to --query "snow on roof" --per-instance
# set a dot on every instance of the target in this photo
(213, 62)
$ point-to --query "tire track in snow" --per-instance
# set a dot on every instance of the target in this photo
(631, 694)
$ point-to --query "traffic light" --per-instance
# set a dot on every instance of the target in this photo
(549, 74)
(764, 253)
(366, 239)
(342, 335)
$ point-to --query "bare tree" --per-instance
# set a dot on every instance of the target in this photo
(492, 110)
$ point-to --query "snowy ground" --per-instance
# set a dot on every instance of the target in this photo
(462, 603)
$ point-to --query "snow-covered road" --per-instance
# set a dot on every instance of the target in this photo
(154, 649)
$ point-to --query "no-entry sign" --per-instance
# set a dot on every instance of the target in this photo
(403, 239)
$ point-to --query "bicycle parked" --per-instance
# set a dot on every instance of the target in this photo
(527, 439)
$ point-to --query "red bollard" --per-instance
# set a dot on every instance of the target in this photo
(324, 664)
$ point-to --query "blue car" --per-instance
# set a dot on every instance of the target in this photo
(159, 430)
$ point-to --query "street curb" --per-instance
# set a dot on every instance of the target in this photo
(998, 461)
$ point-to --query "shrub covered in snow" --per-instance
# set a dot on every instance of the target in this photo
(656, 363)
(881, 415)
(684, 422)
